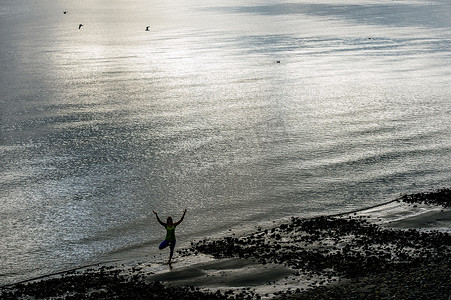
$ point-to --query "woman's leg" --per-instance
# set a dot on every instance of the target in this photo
(171, 247)
(163, 245)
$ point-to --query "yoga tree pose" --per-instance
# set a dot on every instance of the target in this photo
(170, 234)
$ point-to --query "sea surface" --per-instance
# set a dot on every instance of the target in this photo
(239, 111)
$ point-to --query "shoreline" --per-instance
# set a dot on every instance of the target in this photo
(364, 254)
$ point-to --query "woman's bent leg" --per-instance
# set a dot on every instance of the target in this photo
(163, 245)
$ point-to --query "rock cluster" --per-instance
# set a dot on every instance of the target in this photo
(439, 197)
(103, 284)
(335, 246)
(430, 281)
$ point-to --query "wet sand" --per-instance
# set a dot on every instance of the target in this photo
(398, 250)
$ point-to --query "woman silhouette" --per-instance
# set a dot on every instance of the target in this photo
(170, 233)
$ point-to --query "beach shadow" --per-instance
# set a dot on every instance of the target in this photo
(230, 272)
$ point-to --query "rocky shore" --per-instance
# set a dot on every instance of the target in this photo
(327, 257)
(423, 281)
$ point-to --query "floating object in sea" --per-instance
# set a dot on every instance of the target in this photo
(79, 26)
(278, 61)
(64, 12)
(147, 28)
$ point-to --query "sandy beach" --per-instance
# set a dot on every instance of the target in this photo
(398, 250)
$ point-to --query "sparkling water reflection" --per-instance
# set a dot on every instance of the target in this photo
(102, 124)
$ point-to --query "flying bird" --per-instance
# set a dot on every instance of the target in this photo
(79, 26)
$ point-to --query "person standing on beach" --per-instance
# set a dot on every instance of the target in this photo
(170, 234)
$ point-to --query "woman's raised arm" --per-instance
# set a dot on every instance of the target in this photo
(158, 219)
(180, 221)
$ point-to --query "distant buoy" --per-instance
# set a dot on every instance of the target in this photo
(64, 12)
(278, 61)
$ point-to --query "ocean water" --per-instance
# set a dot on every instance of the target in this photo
(103, 124)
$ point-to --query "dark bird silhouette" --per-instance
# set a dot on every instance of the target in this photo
(79, 26)
(147, 28)
(64, 12)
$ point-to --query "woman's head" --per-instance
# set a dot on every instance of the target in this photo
(169, 221)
